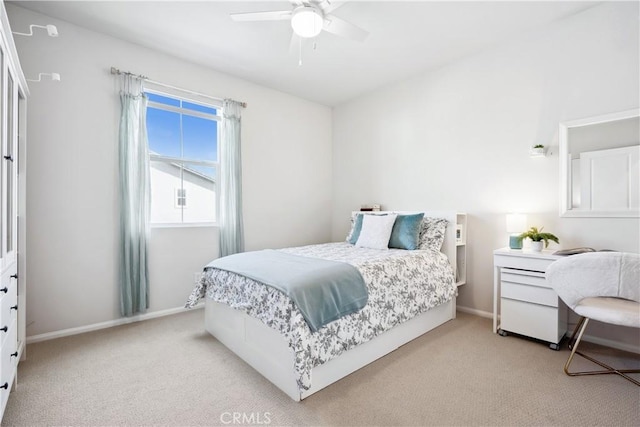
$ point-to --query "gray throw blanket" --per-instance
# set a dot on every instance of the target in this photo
(322, 290)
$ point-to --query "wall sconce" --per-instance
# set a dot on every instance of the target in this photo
(516, 224)
(52, 30)
(54, 77)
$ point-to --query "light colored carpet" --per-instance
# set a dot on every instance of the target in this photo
(169, 371)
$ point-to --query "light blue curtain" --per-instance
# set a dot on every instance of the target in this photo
(231, 228)
(135, 198)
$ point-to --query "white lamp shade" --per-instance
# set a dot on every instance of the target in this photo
(516, 223)
(307, 21)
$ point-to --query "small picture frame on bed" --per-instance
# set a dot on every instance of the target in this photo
(459, 233)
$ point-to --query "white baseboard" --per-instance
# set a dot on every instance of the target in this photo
(609, 343)
(476, 312)
(108, 324)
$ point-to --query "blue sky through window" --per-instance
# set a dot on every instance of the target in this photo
(199, 135)
(163, 99)
(199, 138)
(163, 132)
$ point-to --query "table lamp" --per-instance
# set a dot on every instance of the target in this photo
(516, 224)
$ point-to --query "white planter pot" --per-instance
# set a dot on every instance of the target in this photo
(537, 246)
(537, 152)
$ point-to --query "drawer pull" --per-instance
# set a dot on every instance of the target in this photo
(5, 289)
(15, 307)
(4, 329)
(14, 276)
(14, 354)
(5, 386)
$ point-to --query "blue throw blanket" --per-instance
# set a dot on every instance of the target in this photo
(322, 290)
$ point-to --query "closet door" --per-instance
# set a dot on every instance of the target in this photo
(9, 175)
(13, 160)
(9, 351)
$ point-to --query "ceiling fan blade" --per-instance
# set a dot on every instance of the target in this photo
(328, 7)
(340, 27)
(276, 15)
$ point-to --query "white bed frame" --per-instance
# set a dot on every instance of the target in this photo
(268, 352)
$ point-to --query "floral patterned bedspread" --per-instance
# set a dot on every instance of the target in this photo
(401, 285)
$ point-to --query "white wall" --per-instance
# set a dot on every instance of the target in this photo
(72, 218)
(458, 137)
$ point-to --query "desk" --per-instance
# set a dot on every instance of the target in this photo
(528, 305)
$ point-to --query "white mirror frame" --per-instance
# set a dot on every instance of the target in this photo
(565, 193)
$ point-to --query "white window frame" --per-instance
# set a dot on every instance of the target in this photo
(187, 161)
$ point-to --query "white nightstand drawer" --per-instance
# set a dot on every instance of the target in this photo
(533, 320)
(528, 293)
(532, 278)
(523, 260)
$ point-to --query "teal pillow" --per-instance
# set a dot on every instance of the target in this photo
(357, 228)
(406, 232)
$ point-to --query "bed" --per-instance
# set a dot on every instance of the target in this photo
(409, 293)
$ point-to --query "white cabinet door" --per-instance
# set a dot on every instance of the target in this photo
(13, 92)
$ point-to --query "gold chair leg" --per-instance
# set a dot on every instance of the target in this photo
(573, 345)
(572, 340)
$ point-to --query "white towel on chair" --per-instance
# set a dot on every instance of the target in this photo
(580, 279)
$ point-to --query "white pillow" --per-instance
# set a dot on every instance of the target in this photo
(376, 231)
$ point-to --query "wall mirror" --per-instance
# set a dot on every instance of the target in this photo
(599, 166)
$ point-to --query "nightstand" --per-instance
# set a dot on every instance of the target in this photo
(528, 304)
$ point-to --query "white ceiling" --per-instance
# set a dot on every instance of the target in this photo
(406, 38)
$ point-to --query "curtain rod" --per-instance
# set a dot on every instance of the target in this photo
(115, 70)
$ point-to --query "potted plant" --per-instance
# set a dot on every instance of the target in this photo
(537, 150)
(537, 237)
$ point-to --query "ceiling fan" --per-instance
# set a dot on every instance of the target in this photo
(308, 18)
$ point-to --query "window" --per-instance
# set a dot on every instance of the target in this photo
(181, 198)
(183, 148)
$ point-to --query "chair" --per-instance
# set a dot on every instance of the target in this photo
(603, 286)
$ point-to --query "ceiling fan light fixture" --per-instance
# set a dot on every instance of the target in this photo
(307, 21)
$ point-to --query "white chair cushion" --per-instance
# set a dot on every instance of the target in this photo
(617, 311)
(596, 274)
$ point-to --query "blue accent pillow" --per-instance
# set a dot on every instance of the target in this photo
(357, 228)
(406, 232)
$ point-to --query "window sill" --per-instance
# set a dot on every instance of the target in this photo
(187, 225)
